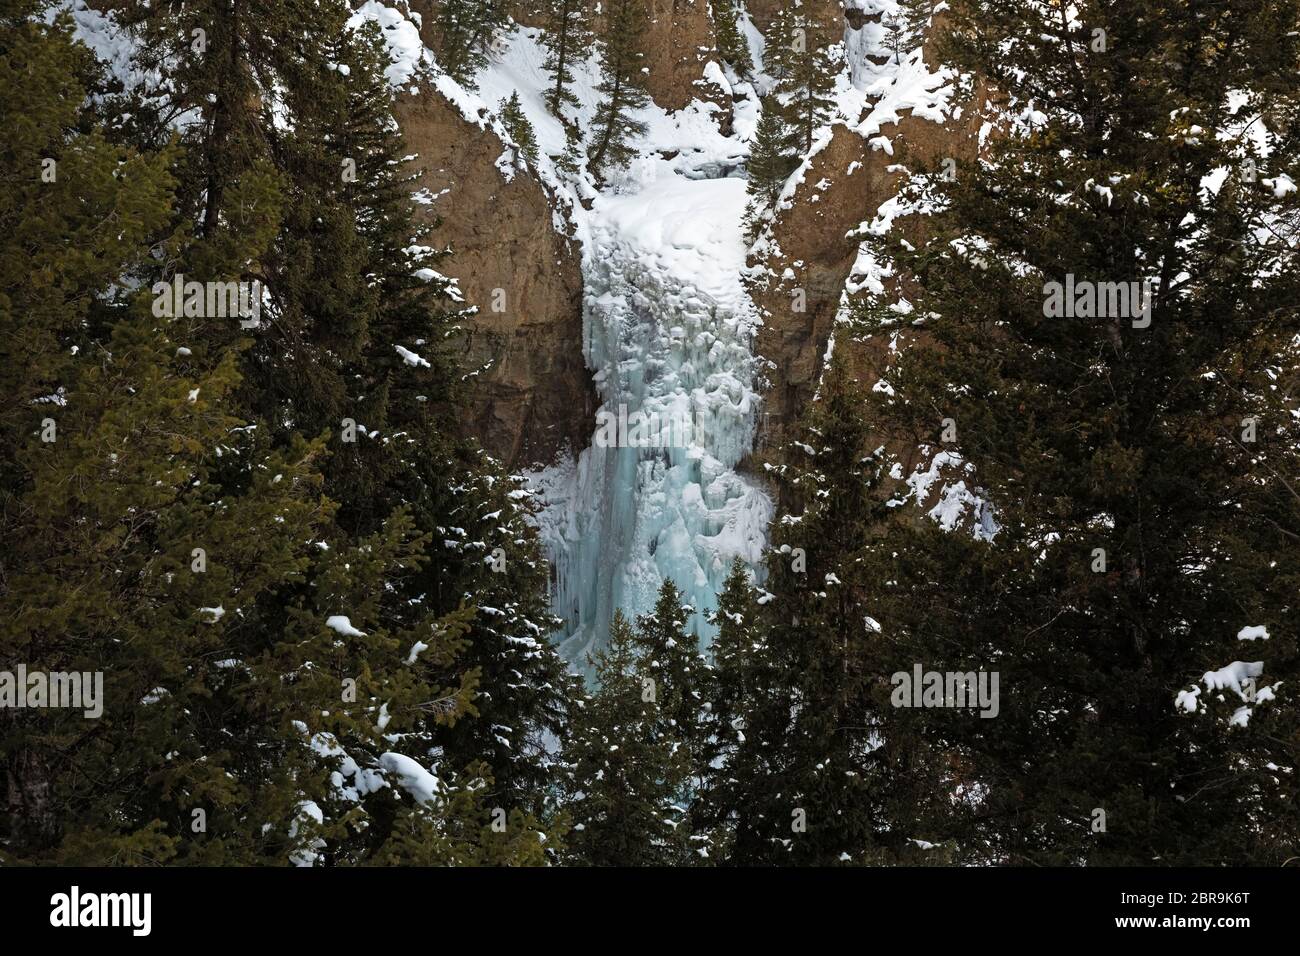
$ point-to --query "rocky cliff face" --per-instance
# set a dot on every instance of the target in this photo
(678, 44)
(533, 394)
(845, 186)
(811, 257)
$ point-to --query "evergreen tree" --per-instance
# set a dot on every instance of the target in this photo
(628, 772)
(377, 689)
(568, 39)
(814, 779)
(569, 161)
(740, 672)
(269, 182)
(799, 56)
(126, 557)
(275, 661)
(356, 312)
(1131, 459)
(671, 658)
(674, 663)
(216, 61)
(464, 31)
(787, 39)
(772, 158)
(731, 41)
(814, 733)
(905, 25)
(148, 575)
(622, 86)
(519, 129)
(492, 560)
(486, 554)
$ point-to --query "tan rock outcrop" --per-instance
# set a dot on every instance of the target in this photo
(845, 186)
(678, 44)
(532, 395)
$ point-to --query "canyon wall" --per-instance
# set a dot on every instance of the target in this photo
(535, 396)
(812, 256)
(532, 393)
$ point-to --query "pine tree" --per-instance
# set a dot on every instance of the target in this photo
(356, 313)
(491, 559)
(569, 161)
(518, 128)
(261, 643)
(731, 41)
(800, 58)
(217, 60)
(464, 31)
(395, 682)
(147, 576)
(813, 735)
(735, 649)
(264, 183)
(740, 672)
(126, 557)
(1130, 460)
(772, 158)
(671, 658)
(628, 772)
(466, 505)
(787, 39)
(815, 779)
(681, 679)
(568, 39)
(622, 86)
(486, 555)
(674, 663)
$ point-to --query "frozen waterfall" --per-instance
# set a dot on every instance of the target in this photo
(668, 331)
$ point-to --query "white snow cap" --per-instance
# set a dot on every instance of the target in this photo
(413, 778)
(1233, 675)
(340, 623)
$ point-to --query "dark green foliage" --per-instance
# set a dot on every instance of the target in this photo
(799, 56)
(813, 755)
(731, 41)
(622, 86)
(673, 661)
(103, 519)
(1138, 528)
(267, 609)
(464, 31)
(740, 677)
(568, 39)
(772, 158)
(491, 558)
(518, 127)
(630, 764)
